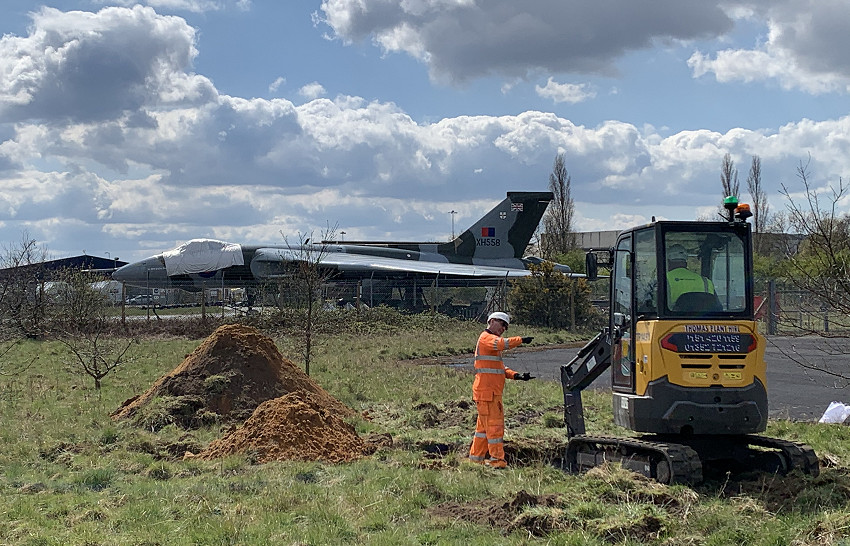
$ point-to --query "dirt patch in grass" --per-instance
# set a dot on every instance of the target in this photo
(595, 509)
(795, 491)
(224, 380)
(506, 515)
(450, 414)
(520, 417)
(617, 506)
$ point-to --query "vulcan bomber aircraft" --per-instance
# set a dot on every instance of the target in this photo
(492, 248)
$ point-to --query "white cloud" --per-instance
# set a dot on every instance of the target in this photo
(312, 91)
(805, 49)
(275, 85)
(96, 66)
(565, 92)
(193, 6)
(804, 45)
(462, 40)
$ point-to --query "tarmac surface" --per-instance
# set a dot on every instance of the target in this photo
(804, 374)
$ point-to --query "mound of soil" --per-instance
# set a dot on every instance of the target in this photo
(224, 380)
(298, 426)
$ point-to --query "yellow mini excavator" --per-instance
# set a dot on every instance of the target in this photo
(686, 359)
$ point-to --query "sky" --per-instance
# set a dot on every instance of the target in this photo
(127, 128)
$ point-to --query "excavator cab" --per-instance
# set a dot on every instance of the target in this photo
(685, 356)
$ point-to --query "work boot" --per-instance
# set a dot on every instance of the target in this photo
(498, 464)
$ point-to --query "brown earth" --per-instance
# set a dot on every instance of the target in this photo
(237, 374)
(224, 380)
(298, 426)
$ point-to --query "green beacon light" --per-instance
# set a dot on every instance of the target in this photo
(730, 204)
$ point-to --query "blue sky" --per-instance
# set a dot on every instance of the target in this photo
(127, 128)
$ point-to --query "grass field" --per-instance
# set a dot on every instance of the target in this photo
(69, 475)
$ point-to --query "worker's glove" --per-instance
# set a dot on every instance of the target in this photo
(524, 376)
(527, 340)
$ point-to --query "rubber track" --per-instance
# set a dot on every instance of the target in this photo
(684, 462)
(799, 456)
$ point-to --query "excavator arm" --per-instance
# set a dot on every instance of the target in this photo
(590, 362)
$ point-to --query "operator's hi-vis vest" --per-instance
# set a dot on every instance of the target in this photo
(681, 281)
(490, 370)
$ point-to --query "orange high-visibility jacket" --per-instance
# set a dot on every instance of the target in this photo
(490, 371)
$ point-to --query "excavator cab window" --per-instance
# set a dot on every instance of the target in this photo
(623, 349)
(705, 272)
(682, 269)
(675, 270)
(646, 273)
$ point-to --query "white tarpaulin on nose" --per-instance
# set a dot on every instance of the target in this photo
(202, 256)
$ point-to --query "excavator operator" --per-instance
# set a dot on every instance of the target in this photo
(490, 374)
(680, 279)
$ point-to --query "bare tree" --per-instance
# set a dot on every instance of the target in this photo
(302, 282)
(22, 299)
(558, 221)
(729, 177)
(761, 209)
(777, 223)
(820, 268)
(82, 318)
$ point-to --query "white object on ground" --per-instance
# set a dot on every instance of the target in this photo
(836, 412)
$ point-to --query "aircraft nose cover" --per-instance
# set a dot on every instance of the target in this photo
(201, 256)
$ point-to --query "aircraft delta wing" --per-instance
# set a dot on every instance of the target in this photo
(492, 248)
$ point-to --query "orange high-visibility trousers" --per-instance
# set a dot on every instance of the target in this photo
(489, 432)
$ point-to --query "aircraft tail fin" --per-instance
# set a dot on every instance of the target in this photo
(504, 232)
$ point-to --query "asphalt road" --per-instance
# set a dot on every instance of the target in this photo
(800, 373)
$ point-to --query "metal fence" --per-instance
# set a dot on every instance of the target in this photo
(782, 308)
(473, 299)
(779, 308)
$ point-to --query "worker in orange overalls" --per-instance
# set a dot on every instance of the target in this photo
(490, 374)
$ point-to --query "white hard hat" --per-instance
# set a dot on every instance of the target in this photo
(677, 252)
(501, 316)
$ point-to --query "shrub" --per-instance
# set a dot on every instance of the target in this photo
(552, 299)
